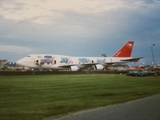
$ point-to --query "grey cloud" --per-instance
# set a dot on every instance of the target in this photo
(150, 1)
(104, 31)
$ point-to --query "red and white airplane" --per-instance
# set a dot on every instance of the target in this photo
(62, 62)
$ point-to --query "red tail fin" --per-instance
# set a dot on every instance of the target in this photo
(126, 50)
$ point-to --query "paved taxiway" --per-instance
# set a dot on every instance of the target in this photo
(142, 109)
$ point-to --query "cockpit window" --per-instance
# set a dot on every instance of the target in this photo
(28, 56)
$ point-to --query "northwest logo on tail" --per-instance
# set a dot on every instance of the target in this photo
(126, 50)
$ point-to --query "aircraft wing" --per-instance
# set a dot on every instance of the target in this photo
(109, 63)
(85, 65)
(88, 65)
(76, 67)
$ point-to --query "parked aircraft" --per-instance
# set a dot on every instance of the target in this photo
(62, 62)
(134, 68)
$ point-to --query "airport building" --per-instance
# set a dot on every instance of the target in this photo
(2, 63)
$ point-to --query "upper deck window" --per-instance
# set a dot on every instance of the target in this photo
(47, 56)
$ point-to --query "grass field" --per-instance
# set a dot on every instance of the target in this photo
(36, 97)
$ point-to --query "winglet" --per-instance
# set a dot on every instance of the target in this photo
(126, 50)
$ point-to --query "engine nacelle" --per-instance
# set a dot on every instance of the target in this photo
(74, 68)
(99, 67)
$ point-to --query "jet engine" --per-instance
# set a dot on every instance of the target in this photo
(74, 68)
(99, 67)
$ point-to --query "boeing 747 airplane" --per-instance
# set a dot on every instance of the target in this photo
(62, 62)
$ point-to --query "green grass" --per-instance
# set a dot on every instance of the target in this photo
(39, 96)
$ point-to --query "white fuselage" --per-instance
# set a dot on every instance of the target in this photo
(49, 61)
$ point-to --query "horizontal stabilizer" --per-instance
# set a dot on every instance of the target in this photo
(132, 59)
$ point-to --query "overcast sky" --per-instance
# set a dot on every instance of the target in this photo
(79, 28)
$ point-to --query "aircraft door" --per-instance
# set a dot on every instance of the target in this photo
(37, 62)
(55, 61)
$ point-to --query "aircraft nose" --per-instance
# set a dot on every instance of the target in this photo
(19, 62)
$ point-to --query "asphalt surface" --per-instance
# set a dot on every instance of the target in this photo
(142, 109)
